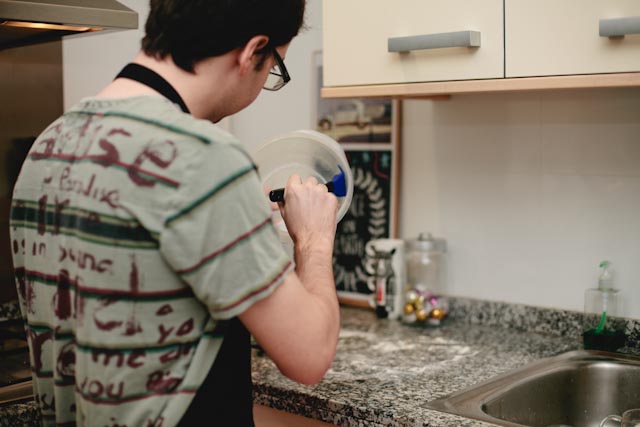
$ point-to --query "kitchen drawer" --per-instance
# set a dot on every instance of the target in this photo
(561, 37)
(356, 33)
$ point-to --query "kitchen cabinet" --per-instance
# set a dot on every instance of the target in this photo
(357, 32)
(523, 45)
(269, 417)
(551, 37)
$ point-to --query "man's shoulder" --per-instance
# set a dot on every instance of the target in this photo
(154, 113)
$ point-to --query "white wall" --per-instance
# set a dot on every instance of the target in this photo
(276, 113)
(91, 61)
(531, 191)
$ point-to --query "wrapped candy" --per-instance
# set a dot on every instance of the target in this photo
(424, 308)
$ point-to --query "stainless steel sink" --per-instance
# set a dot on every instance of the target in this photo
(577, 389)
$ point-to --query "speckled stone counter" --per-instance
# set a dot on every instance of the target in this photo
(385, 372)
(20, 415)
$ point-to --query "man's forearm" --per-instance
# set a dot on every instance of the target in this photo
(314, 267)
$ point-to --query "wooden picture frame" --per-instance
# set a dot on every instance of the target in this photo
(369, 132)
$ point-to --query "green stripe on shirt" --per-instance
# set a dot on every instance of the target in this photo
(97, 293)
(258, 290)
(85, 225)
(92, 347)
(210, 257)
(147, 120)
(235, 178)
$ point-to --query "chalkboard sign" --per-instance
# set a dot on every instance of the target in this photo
(369, 216)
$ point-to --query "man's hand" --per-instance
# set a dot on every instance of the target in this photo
(309, 211)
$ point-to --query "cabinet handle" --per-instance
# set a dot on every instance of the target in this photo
(619, 27)
(434, 41)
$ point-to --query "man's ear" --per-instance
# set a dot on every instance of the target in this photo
(248, 52)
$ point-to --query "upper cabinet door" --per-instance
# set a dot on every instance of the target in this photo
(562, 37)
(376, 42)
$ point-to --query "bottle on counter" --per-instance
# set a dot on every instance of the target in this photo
(603, 328)
(385, 266)
(426, 281)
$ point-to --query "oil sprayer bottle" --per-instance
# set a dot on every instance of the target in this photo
(385, 266)
(603, 329)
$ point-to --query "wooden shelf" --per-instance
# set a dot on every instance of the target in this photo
(440, 90)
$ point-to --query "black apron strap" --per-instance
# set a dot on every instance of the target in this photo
(155, 81)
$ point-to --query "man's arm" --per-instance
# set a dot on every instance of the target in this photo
(298, 324)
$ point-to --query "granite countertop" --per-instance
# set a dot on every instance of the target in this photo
(384, 371)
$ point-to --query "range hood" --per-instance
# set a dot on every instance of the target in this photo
(24, 22)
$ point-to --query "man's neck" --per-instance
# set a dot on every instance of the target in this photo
(193, 88)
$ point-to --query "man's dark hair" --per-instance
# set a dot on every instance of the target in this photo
(192, 30)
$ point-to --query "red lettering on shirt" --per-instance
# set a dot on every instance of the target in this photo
(156, 422)
(37, 341)
(161, 155)
(66, 363)
(42, 215)
(132, 325)
(162, 382)
(57, 216)
(133, 360)
(106, 325)
(110, 154)
(164, 310)
(62, 297)
(85, 260)
(185, 328)
(39, 249)
(164, 333)
(96, 389)
(175, 354)
(78, 185)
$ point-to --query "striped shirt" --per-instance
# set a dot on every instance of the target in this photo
(135, 229)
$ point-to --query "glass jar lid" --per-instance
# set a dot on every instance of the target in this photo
(426, 242)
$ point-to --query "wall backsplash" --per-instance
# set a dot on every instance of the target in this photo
(531, 190)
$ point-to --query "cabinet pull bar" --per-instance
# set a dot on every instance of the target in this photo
(434, 41)
(619, 27)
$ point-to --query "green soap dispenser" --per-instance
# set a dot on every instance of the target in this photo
(603, 328)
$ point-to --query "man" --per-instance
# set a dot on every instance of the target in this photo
(144, 251)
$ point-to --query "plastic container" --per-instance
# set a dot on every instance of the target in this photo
(603, 327)
(307, 153)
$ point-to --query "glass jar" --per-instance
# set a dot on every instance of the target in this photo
(426, 280)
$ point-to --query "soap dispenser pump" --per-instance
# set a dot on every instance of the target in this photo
(603, 328)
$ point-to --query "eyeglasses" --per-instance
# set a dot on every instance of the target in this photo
(278, 75)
